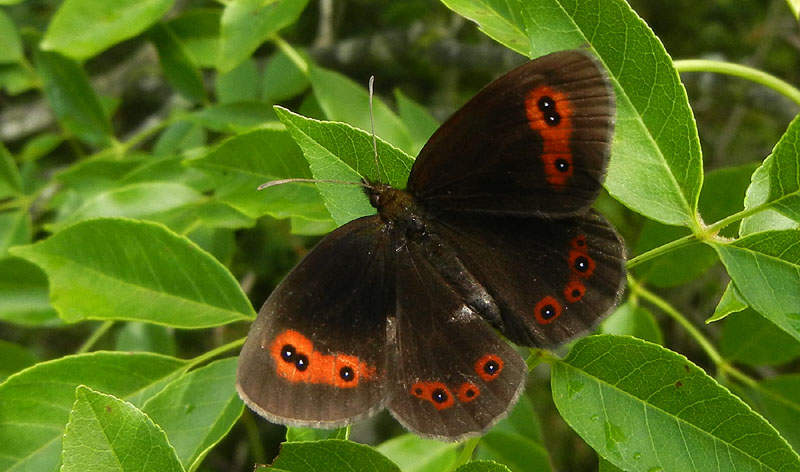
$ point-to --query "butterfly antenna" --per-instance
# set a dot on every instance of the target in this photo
(372, 123)
(273, 183)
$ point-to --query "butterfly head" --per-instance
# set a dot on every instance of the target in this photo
(396, 207)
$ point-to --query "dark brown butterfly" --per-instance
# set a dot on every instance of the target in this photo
(495, 232)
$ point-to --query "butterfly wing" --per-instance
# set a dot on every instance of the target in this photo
(552, 280)
(533, 142)
(318, 355)
(454, 376)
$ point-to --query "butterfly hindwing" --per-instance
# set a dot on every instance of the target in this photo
(533, 142)
(552, 279)
(318, 355)
(454, 376)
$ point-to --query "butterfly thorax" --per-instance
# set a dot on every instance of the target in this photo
(397, 208)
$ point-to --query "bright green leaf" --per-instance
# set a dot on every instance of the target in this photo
(766, 269)
(178, 137)
(15, 229)
(82, 28)
(757, 195)
(239, 84)
(129, 270)
(179, 68)
(522, 421)
(344, 100)
(295, 434)
(779, 398)
(517, 452)
(23, 294)
(414, 454)
(750, 339)
(633, 320)
(108, 434)
(39, 146)
(35, 403)
(643, 407)
(794, 5)
(784, 175)
(11, 52)
(248, 23)
(74, 102)
(197, 410)
(338, 151)
(331, 454)
(485, 466)
(420, 124)
(283, 79)
(500, 20)
(731, 302)
(10, 180)
(17, 78)
(198, 30)
(234, 117)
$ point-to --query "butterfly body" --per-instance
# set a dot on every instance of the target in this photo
(494, 232)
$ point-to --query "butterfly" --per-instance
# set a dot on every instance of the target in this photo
(494, 233)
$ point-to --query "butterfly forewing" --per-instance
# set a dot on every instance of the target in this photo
(533, 142)
(454, 376)
(318, 353)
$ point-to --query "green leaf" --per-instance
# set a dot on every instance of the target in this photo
(15, 358)
(283, 79)
(91, 176)
(15, 229)
(757, 195)
(331, 454)
(128, 270)
(794, 5)
(106, 433)
(23, 294)
(234, 117)
(414, 454)
(766, 269)
(11, 52)
(149, 201)
(197, 410)
(784, 174)
(17, 78)
(178, 137)
(750, 339)
(239, 84)
(244, 162)
(420, 124)
(295, 434)
(633, 320)
(146, 337)
(344, 100)
(517, 452)
(338, 151)
(723, 194)
(643, 407)
(40, 146)
(179, 68)
(10, 180)
(656, 165)
(499, 19)
(779, 398)
(76, 106)
(198, 30)
(248, 23)
(35, 403)
(731, 302)
(82, 28)
(485, 466)
(522, 421)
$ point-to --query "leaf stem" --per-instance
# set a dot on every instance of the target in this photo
(664, 306)
(98, 333)
(737, 70)
(214, 353)
(661, 250)
(465, 455)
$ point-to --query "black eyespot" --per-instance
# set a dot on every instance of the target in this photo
(301, 362)
(581, 264)
(347, 374)
(552, 118)
(287, 353)
(418, 391)
(491, 366)
(562, 165)
(545, 103)
(470, 393)
(439, 395)
(548, 311)
(576, 293)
